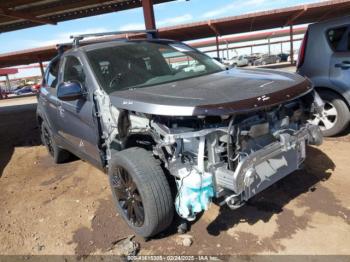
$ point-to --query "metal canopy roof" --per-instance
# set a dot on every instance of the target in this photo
(249, 37)
(295, 15)
(229, 25)
(20, 14)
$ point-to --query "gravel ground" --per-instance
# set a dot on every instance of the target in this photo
(67, 209)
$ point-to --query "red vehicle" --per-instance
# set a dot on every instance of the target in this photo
(36, 88)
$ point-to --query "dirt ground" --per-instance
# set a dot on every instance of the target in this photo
(67, 209)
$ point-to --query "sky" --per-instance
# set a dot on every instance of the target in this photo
(166, 14)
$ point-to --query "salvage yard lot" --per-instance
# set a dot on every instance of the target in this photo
(67, 208)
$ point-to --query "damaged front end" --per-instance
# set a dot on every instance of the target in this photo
(233, 157)
(230, 157)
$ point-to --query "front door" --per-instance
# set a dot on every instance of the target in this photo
(77, 125)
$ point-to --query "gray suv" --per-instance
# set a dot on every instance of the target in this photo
(173, 128)
(324, 57)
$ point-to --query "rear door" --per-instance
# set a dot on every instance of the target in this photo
(77, 125)
(339, 39)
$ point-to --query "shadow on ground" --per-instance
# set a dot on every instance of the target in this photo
(18, 128)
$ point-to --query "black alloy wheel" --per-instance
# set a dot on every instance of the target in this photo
(140, 191)
(128, 196)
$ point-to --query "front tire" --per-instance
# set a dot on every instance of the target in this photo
(335, 116)
(140, 191)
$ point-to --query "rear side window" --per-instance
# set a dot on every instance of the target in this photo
(337, 37)
(52, 74)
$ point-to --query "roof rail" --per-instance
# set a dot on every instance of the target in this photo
(150, 34)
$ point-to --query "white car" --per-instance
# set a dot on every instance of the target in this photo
(242, 60)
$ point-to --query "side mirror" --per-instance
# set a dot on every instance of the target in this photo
(69, 91)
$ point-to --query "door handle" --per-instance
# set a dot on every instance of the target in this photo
(343, 65)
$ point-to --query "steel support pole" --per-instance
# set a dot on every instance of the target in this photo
(41, 69)
(281, 48)
(227, 52)
(291, 44)
(269, 45)
(8, 83)
(148, 14)
(217, 46)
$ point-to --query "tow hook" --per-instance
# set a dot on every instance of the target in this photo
(233, 202)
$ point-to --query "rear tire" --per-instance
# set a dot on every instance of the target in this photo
(58, 154)
(140, 191)
(335, 116)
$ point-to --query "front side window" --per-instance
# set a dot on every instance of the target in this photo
(73, 70)
(140, 63)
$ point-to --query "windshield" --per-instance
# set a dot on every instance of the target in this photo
(139, 64)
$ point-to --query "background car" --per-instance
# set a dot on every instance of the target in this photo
(242, 60)
(266, 59)
(324, 57)
(17, 88)
(283, 57)
(24, 90)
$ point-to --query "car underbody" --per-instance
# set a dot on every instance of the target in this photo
(229, 158)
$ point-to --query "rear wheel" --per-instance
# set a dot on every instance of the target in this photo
(140, 191)
(335, 115)
(58, 154)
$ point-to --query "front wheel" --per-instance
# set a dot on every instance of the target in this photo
(140, 191)
(335, 115)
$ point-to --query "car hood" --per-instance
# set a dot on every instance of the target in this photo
(226, 92)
